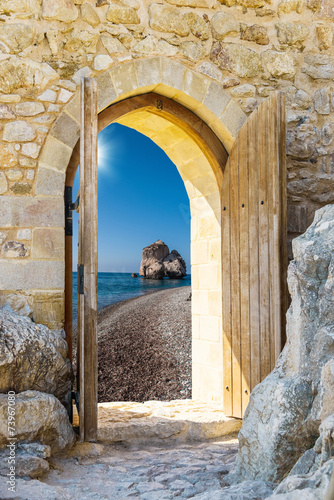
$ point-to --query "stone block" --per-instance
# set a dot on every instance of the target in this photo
(194, 51)
(106, 92)
(172, 73)
(207, 353)
(215, 302)
(31, 212)
(73, 107)
(55, 154)
(31, 149)
(49, 308)
(18, 131)
(237, 59)
(30, 274)
(8, 156)
(168, 19)
(200, 302)
(6, 113)
(14, 249)
(49, 182)
(3, 183)
(29, 108)
(297, 218)
(102, 62)
(223, 24)
(199, 252)
(206, 185)
(89, 14)
(233, 118)
(66, 130)
(21, 188)
(14, 174)
(124, 78)
(209, 277)
(185, 150)
(48, 243)
(195, 85)
(210, 328)
(216, 98)
(207, 384)
(148, 71)
(59, 10)
(24, 234)
(120, 13)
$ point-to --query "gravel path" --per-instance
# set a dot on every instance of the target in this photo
(145, 348)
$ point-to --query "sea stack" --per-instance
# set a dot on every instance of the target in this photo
(158, 263)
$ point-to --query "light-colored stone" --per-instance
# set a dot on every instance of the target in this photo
(302, 99)
(82, 41)
(34, 212)
(168, 19)
(8, 156)
(47, 243)
(245, 90)
(206, 4)
(33, 356)
(292, 33)
(24, 234)
(223, 24)
(285, 410)
(3, 183)
(39, 417)
(17, 72)
(64, 96)
(102, 62)
(198, 26)
(19, 130)
(209, 69)
(17, 37)
(59, 10)
(279, 64)
(237, 59)
(287, 6)
(31, 149)
(30, 275)
(6, 113)
(254, 33)
(251, 4)
(193, 51)
(321, 101)
(86, 71)
(20, 7)
(230, 82)
(29, 108)
(119, 13)
(10, 98)
(325, 36)
(89, 14)
(14, 249)
(113, 45)
(152, 45)
(14, 174)
(319, 66)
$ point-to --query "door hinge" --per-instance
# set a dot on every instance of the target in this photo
(69, 207)
(80, 279)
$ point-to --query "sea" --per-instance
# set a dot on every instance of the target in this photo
(116, 287)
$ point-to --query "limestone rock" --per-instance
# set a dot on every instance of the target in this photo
(252, 490)
(89, 14)
(285, 410)
(6, 113)
(168, 19)
(29, 460)
(152, 45)
(230, 82)
(59, 10)
(251, 4)
(193, 51)
(14, 249)
(18, 131)
(120, 13)
(16, 73)
(209, 69)
(254, 33)
(102, 62)
(237, 59)
(325, 36)
(38, 417)
(134, 275)
(17, 37)
(206, 4)
(157, 262)
(8, 157)
(29, 108)
(302, 100)
(20, 6)
(198, 26)
(279, 64)
(319, 66)
(321, 101)
(113, 45)
(82, 41)
(287, 6)
(32, 356)
(3, 183)
(292, 33)
(223, 24)
(301, 143)
(245, 90)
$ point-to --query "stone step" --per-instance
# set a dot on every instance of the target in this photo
(163, 422)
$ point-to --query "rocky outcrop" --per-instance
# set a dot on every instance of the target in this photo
(39, 417)
(158, 263)
(284, 413)
(33, 357)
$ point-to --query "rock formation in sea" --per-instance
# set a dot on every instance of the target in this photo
(134, 275)
(158, 263)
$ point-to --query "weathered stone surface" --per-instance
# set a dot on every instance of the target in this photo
(8, 157)
(168, 19)
(48, 243)
(321, 101)
(102, 62)
(64, 96)
(113, 45)
(30, 149)
(319, 66)
(209, 69)
(287, 6)
(236, 58)
(20, 7)
(193, 51)
(33, 357)
(29, 460)
(292, 33)
(245, 90)
(223, 24)
(48, 96)
(82, 41)
(251, 490)
(251, 4)
(3, 183)
(89, 14)
(14, 174)
(279, 64)
(325, 36)
(230, 82)
(302, 99)
(17, 37)
(120, 13)
(59, 10)
(157, 262)
(151, 45)
(6, 113)
(14, 249)
(18, 131)
(21, 188)
(29, 108)
(16, 73)
(206, 4)
(285, 410)
(38, 417)
(254, 33)
(326, 10)
(198, 26)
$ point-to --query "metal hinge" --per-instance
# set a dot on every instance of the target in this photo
(160, 104)
(69, 207)
(80, 279)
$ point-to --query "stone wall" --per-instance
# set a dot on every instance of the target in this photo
(250, 47)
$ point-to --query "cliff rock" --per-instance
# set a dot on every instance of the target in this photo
(157, 262)
(285, 410)
(33, 357)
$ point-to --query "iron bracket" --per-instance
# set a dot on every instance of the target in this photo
(69, 207)
(81, 279)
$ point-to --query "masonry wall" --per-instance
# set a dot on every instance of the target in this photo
(250, 47)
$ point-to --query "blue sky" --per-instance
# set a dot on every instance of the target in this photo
(141, 198)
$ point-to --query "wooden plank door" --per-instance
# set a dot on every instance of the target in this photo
(254, 253)
(87, 264)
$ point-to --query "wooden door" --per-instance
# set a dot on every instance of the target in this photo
(254, 253)
(87, 264)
